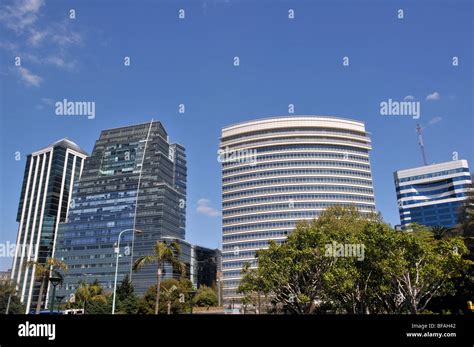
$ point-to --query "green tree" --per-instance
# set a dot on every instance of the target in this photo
(8, 292)
(42, 273)
(92, 298)
(205, 297)
(357, 284)
(421, 270)
(175, 295)
(253, 286)
(163, 253)
(127, 302)
(439, 232)
(352, 263)
(466, 216)
(297, 272)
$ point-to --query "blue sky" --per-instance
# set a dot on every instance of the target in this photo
(190, 61)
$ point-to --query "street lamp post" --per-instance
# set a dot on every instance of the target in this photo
(55, 280)
(117, 251)
(8, 303)
(192, 294)
(60, 300)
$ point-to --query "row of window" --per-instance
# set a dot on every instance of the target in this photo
(236, 248)
(453, 195)
(295, 164)
(434, 184)
(288, 198)
(258, 235)
(231, 283)
(428, 193)
(232, 264)
(297, 172)
(296, 180)
(433, 174)
(272, 216)
(302, 155)
(291, 189)
(291, 131)
(257, 226)
(314, 147)
(296, 138)
(246, 254)
(289, 205)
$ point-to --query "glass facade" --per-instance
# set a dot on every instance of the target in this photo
(131, 181)
(278, 171)
(49, 176)
(204, 266)
(431, 195)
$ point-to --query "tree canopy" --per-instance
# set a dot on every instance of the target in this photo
(346, 262)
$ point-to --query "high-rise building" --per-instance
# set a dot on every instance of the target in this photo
(130, 182)
(50, 174)
(177, 155)
(431, 195)
(278, 171)
(204, 266)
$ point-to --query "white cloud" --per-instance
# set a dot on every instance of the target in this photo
(28, 77)
(59, 61)
(36, 37)
(9, 46)
(409, 98)
(21, 15)
(63, 36)
(204, 207)
(433, 96)
(435, 120)
(40, 42)
(45, 102)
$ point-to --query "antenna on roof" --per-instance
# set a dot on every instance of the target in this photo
(420, 142)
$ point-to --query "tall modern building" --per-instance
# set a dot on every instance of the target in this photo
(50, 174)
(134, 180)
(279, 171)
(431, 195)
(177, 155)
(204, 266)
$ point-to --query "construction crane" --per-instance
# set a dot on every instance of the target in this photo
(420, 142)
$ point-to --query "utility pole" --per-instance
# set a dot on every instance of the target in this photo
(218, 289)
(420, 142)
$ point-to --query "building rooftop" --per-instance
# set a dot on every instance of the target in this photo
(65, 142)
(425, 169)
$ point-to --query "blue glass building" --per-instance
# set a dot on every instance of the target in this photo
(50, 174)
(431, 195)
(133, 180)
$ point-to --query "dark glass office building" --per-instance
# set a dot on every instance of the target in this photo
(177, 155)
(50, 174)
(132, 181)
(204, 266)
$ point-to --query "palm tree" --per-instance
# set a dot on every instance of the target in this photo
(163, 253)
(43, 272)
(439, 232)
(88, 293)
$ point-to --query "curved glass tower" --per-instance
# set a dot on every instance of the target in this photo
(278, 171)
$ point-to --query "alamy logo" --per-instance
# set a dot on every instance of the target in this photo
(240, 156)
(7, 249)
(356, 250)
(75, 108)
(37, 330)
(400, 108)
